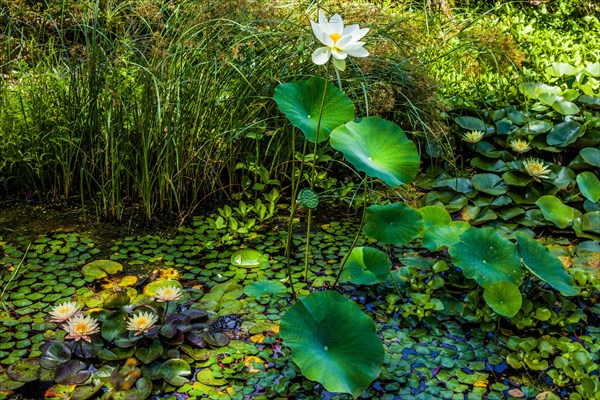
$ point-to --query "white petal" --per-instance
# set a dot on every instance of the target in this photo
(316, 28)
(359, 52)
(350, 29)
(339, 64)
(321, 55)
(327, 40)
(353, 46)
(359, 34)
(336, 24)
(322, 19)
(344, 41)
(340, 55)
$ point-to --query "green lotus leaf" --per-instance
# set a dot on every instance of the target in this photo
(247, 258)
(488, 164)
(565, 107)
(216, 339)
(116, 300)
(71, 372)
(150, 289)
(591, 100)
(366, 266)
(538, 126)
(460, 185)
(379, 148)
(470, 123)
(148, 354)
(487, 257)
(113, 325)
(301, 102)
(101, 268)
(544, 265)
(504, 298)
(174, 371)
(7, 384)
(56, 354)
(395, 223)
(591, 156)
(207, 377)
(265, 287)
(490, 184)
(333, 342)
(590, 222)
(434, 215)
(141, 391)
(25, 370)
(516, 116)
(487, 149)
(589, 185)
(564, 134)
(84, 392)
(515, 178)
(555, 211)
(562, 68)
(592, 70)
(438, 236)
(115, 354)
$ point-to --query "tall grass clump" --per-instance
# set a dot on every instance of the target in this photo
(159, 103)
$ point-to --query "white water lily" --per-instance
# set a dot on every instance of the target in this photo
(339, 42)
(64, 311)
(81, 327)
(141, 322)
(168, 293)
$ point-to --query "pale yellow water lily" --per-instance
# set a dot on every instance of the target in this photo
(536, 169)
(141, 322)
(339, 42)
(519, 145)
(64, 311)
(473, 136)
(168, 293)
(81, 327)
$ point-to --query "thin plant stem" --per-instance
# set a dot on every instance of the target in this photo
(389, 253)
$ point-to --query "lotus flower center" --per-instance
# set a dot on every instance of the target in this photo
(142, 321)
(335, 37)
(81, 328)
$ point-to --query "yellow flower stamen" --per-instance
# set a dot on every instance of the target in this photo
(335, 37)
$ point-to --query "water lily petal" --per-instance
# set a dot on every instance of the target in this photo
(359, 34)
(344, 41)
(340, 55)
(321, 55)
(319, 34)
(335, 25)
(358, 52)
(350, 29)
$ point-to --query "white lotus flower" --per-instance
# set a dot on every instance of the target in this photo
(141, 322)
(168, 293)
(64, 311)
(81, 327)
(339, 42)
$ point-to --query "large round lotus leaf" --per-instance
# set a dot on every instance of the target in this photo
(439, 236)
(487, 257)
(101, 268)
(490, 184)
(589, 185)
(504, 298)
(150, 289)
(366, 266)
(378, 148)
(555, 211)
(564, 133)
(25, 370)
(247, 258)
(544, 265)
(333, 342)
(301, 102)
(434, 215)
(395, 223)
(265, 287)
(174, 371)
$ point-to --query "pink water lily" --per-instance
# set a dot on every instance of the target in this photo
(339, 42)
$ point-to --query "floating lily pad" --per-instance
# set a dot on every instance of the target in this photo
(487, 257)
(565, 107)
(148, 354)
(333, 342)
(395, 223)
(174, 371)
(589, 185)
(265, 287)
(504, 298)
(247, 258)
(301, 102)
(366, 266)
(590, 222)
(379, 148)
(101, 268)
(55, 354)
(150, 289)
(544, 265)
(564, 133)
(490, 184)
(591, 156)
(434, 215)
(25, 370)
(71, 372)
(470, 123)
(555, 211)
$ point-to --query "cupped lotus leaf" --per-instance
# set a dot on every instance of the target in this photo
(434, 215)
(265, 287)
(544, 265)
(438, 236)
(590, 222)
(71, 372)
(395, 223)
(589, 185)
(490, 184)
(565, 107)
(564, 134)
(174, 371)
(333, 342)
(247, 258)
(301, 102)
(101, 268)
(379, 148)
(591, 156)
(555, 211)
(55, 354)
(366, 266)
(150, 289)
(470, 123)
(482, 254)
(503, 297)
(25, 370)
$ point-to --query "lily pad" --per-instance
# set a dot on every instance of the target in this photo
(434, 215)
(55, 354)
(395, 223)
(265, 287)
(470, 123)
(565, 107)
(590, 222)
(591, 156)
(504, 298)
(555, 211)
(589, 185)
(71, 372)
(544, 265)
(174, 371)
(301, 102)
(25, 370)
(487, 257)
(564, 134)
(490, 184)
(101, 268)
(366, 266)
(148, 354)
(150, 289)
(438, 236)
(247, 258)
(379, 148)
(333, 342)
